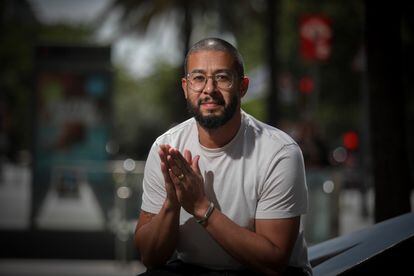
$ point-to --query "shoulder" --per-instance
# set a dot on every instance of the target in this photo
(274, 139)
(172, 137)
(176, 133)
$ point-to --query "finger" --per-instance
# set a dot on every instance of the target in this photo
(187, 156)
(163, 159)
(180, 161)
(169, 186)
(163, 152)
(162, 155)
(165, 148)
(164, 171)
(175, 159)
(175, 180)
(194, 164)
(172, 164)
(162, 147)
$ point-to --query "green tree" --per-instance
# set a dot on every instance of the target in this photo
(136, 17)
(21, 32)
(17, 26)
(141, 109)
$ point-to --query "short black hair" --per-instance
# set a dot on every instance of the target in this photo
(217, 44)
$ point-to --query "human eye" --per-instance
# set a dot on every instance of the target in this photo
(197, 77)
(223, 77)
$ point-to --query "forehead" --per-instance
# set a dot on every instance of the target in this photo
(210, 60)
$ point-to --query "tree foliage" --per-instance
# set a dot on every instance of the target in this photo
(21, 32)
(142, 109)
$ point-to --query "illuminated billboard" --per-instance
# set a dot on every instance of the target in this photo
(72, 125)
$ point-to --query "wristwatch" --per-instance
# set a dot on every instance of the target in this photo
(204, 219)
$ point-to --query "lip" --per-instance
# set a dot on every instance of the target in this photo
(210, 105)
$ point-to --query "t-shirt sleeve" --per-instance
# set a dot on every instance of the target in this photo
(154, 193)
(284, 192)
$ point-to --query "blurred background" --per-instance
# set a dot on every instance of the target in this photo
(87, 85)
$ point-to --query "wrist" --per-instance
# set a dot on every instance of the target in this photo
(202, 219)
(171, 206)
(201, 209)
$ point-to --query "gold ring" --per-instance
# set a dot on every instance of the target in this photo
(181, 177)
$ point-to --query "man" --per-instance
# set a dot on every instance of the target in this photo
(223, 192)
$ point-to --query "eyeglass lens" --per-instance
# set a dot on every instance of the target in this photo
(198, 81)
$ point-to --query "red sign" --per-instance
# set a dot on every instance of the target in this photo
(315, 37)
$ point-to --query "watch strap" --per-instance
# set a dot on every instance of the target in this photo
(204, 219)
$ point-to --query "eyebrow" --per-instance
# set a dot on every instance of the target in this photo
(215, 72)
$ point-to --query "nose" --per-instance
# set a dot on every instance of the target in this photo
(210, 85)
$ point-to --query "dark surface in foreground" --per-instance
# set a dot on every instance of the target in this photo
(385, 247)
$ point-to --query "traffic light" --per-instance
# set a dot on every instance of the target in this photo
(351, 140)
(306, 85)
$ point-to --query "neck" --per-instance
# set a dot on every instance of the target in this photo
(219, 137)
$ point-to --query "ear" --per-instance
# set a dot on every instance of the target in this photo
(184, 87)
(244, 86)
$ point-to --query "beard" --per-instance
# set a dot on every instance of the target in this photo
(212, 121)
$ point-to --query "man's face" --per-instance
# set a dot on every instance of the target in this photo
(213, 106)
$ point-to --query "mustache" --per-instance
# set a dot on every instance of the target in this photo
(218, 101)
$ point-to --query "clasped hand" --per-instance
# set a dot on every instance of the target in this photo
(183, 181)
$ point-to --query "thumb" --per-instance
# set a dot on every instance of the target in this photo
(195, 166)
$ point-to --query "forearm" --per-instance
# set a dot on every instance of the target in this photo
(249, 248)
(157, 239)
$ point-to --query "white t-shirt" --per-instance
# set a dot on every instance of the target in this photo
(258, 175)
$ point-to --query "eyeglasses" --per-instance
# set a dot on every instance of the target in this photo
(197, 81)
